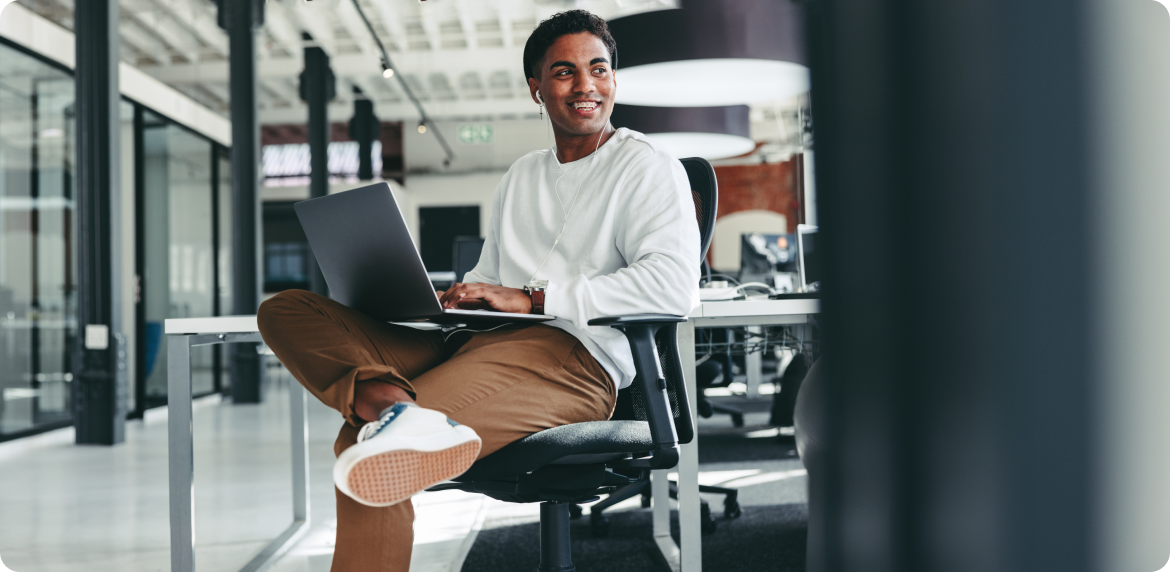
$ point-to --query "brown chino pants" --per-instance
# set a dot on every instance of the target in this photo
(505, 384)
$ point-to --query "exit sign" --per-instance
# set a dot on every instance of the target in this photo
(476, 134)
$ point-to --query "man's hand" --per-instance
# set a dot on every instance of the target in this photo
(478, 296)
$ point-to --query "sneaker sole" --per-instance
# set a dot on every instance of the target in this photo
(390, 477)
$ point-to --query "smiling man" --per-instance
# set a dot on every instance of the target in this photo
(603, 224)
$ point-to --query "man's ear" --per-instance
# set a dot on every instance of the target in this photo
(533, 87)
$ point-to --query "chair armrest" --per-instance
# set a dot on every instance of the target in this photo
(640, 331)
(632, 319)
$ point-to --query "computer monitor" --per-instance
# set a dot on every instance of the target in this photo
(809, 262)
(763, 254)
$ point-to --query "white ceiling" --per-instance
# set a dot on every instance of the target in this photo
(462, 58)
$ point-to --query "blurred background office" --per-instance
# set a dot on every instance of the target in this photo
(988, 180)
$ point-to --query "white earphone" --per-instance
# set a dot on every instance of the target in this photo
(539, 97)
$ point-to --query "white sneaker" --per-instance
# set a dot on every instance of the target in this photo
(407, 450)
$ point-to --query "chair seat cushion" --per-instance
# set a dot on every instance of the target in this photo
(595, 439)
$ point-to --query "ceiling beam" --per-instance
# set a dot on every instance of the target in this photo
(467, 23)
(404, 110)
(452, 62)
(197, 19)
(392, 22)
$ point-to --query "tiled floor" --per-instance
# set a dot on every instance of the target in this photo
(65, 508)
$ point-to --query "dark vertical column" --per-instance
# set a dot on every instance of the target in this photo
(365, 129)
(241, 18)
(216, 307)
(99, 373)
(952, 190)
(318, 88)
(140, 260)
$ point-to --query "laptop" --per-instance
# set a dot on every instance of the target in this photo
(360, 240)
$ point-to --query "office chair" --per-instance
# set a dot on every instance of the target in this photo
(573, 463)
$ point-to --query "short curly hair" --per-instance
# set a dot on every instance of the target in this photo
(563, 24)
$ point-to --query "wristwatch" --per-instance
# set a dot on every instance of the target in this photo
(535, 290)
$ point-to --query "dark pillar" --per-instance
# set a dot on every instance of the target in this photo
(952, 190)
(100, 389)
(365, 129)
(318, 88)
(241, 18)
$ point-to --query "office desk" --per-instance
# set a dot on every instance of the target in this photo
(687, 556)
(182, 335)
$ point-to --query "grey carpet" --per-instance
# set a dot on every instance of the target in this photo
(766, 538)
(770, 536)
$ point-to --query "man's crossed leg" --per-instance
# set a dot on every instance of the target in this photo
(402, 384)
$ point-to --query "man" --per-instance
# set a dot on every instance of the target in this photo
(601, 225)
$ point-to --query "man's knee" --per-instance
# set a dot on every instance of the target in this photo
(277, 310)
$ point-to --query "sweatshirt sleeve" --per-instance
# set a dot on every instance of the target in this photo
(658, 236)
(487, 270)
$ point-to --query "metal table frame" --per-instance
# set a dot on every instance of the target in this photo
(687, 555)
(181, 454)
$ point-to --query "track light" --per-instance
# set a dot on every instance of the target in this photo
(422, 127)
(387, 72)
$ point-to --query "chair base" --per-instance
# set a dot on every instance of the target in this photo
(600, 524)
(555, 547)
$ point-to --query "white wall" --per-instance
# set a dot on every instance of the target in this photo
(448, 190)
(1129, 49)
(512, 139)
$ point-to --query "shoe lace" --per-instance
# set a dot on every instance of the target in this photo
(370, 429)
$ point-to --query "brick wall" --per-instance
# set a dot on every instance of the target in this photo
(768, 186)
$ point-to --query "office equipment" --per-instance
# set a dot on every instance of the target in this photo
(465, 255)
(762, 254)
(809, 262)
(364, 249)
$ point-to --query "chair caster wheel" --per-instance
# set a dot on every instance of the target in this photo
(645, 501)
(737, 419)
(731, 509)
(574, 511)
(708, 523)
(599, 524)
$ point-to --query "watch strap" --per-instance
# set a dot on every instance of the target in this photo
(537, 301)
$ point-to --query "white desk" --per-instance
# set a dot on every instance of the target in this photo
(182, 335)
(688, 555)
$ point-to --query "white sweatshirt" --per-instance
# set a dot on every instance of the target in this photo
(631, 245)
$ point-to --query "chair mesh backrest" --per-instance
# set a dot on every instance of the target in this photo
(631, 404)
(705, 193)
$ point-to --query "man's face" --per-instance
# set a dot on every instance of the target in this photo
(577, 82)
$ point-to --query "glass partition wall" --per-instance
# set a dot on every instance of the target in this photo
(180, 187)
(37, 302)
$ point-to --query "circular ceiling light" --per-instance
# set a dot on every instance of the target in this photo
(710, 146)
(724, 81)
(707, 132)
(711, 53)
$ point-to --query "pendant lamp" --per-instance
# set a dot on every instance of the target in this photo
(711, 53)
(707, 132)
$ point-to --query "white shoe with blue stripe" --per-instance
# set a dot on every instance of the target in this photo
(407, 450)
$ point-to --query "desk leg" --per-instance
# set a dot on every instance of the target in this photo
(180, 453)
(690, 526)
(754, 363)
(299, 418)
(660, 497)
